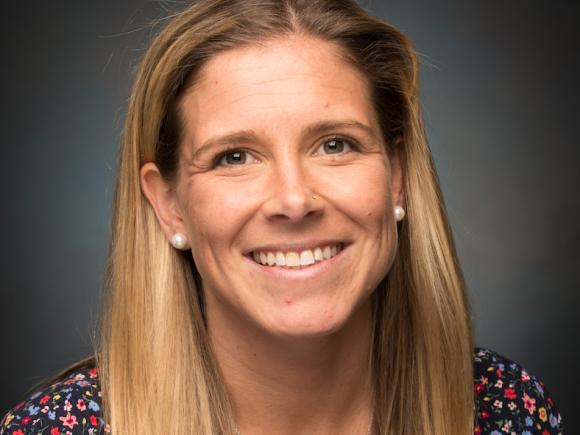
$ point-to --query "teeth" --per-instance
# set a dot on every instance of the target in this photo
(292, 259)
(295, 259)
(306, 258)
(280, 259)
(318, 254)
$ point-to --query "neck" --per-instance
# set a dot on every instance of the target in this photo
(307, 385)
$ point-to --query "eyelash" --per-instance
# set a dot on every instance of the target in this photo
(350, 142)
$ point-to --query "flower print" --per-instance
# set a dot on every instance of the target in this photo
(81, 405)
(9, 418)
(93, 373)
(69, 420)
(33, 410)
(539, 388)
(507, 427)
(59, 409)
(543, 414)
(529, 403)
(93, 406)
(521, 393)
(510, 393)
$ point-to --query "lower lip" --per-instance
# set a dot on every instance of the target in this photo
(299, 274)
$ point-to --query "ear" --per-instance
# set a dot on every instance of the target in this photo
(163, 198)
(397, 173)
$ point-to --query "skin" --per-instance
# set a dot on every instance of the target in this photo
(293, 349)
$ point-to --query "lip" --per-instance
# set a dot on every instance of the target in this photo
(299, 273)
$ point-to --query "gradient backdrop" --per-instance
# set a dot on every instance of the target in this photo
(500, 88)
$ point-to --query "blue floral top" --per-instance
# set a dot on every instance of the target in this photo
(508, 400)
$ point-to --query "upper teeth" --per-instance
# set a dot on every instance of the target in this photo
(296, 259)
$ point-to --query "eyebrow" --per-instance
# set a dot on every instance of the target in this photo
(241, 137)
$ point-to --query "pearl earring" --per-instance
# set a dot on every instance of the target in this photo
(399, 213)
(178, 240)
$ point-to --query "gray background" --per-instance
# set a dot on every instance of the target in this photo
(500, 99)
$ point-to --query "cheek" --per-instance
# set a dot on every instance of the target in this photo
(216, 213)
(365, 197)
(366, 201)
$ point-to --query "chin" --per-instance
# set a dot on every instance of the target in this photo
(303, 322)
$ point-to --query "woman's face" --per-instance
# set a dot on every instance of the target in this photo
(282, 162)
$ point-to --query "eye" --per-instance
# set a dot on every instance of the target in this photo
(336, 145)
(234, 158)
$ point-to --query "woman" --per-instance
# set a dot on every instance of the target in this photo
(281, 260)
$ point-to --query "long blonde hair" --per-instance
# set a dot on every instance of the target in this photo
(157, 369)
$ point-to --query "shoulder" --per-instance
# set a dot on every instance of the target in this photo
(508, 399)
(70, 405)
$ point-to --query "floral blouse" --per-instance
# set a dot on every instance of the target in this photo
(508, 400)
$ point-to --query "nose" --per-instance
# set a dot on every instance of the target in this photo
(292, 195)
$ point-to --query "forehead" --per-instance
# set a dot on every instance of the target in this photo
(281, 83)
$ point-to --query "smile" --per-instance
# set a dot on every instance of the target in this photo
(295, 259)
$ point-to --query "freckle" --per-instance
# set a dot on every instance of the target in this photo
(370, 213)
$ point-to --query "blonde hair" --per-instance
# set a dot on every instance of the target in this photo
(157, 369)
